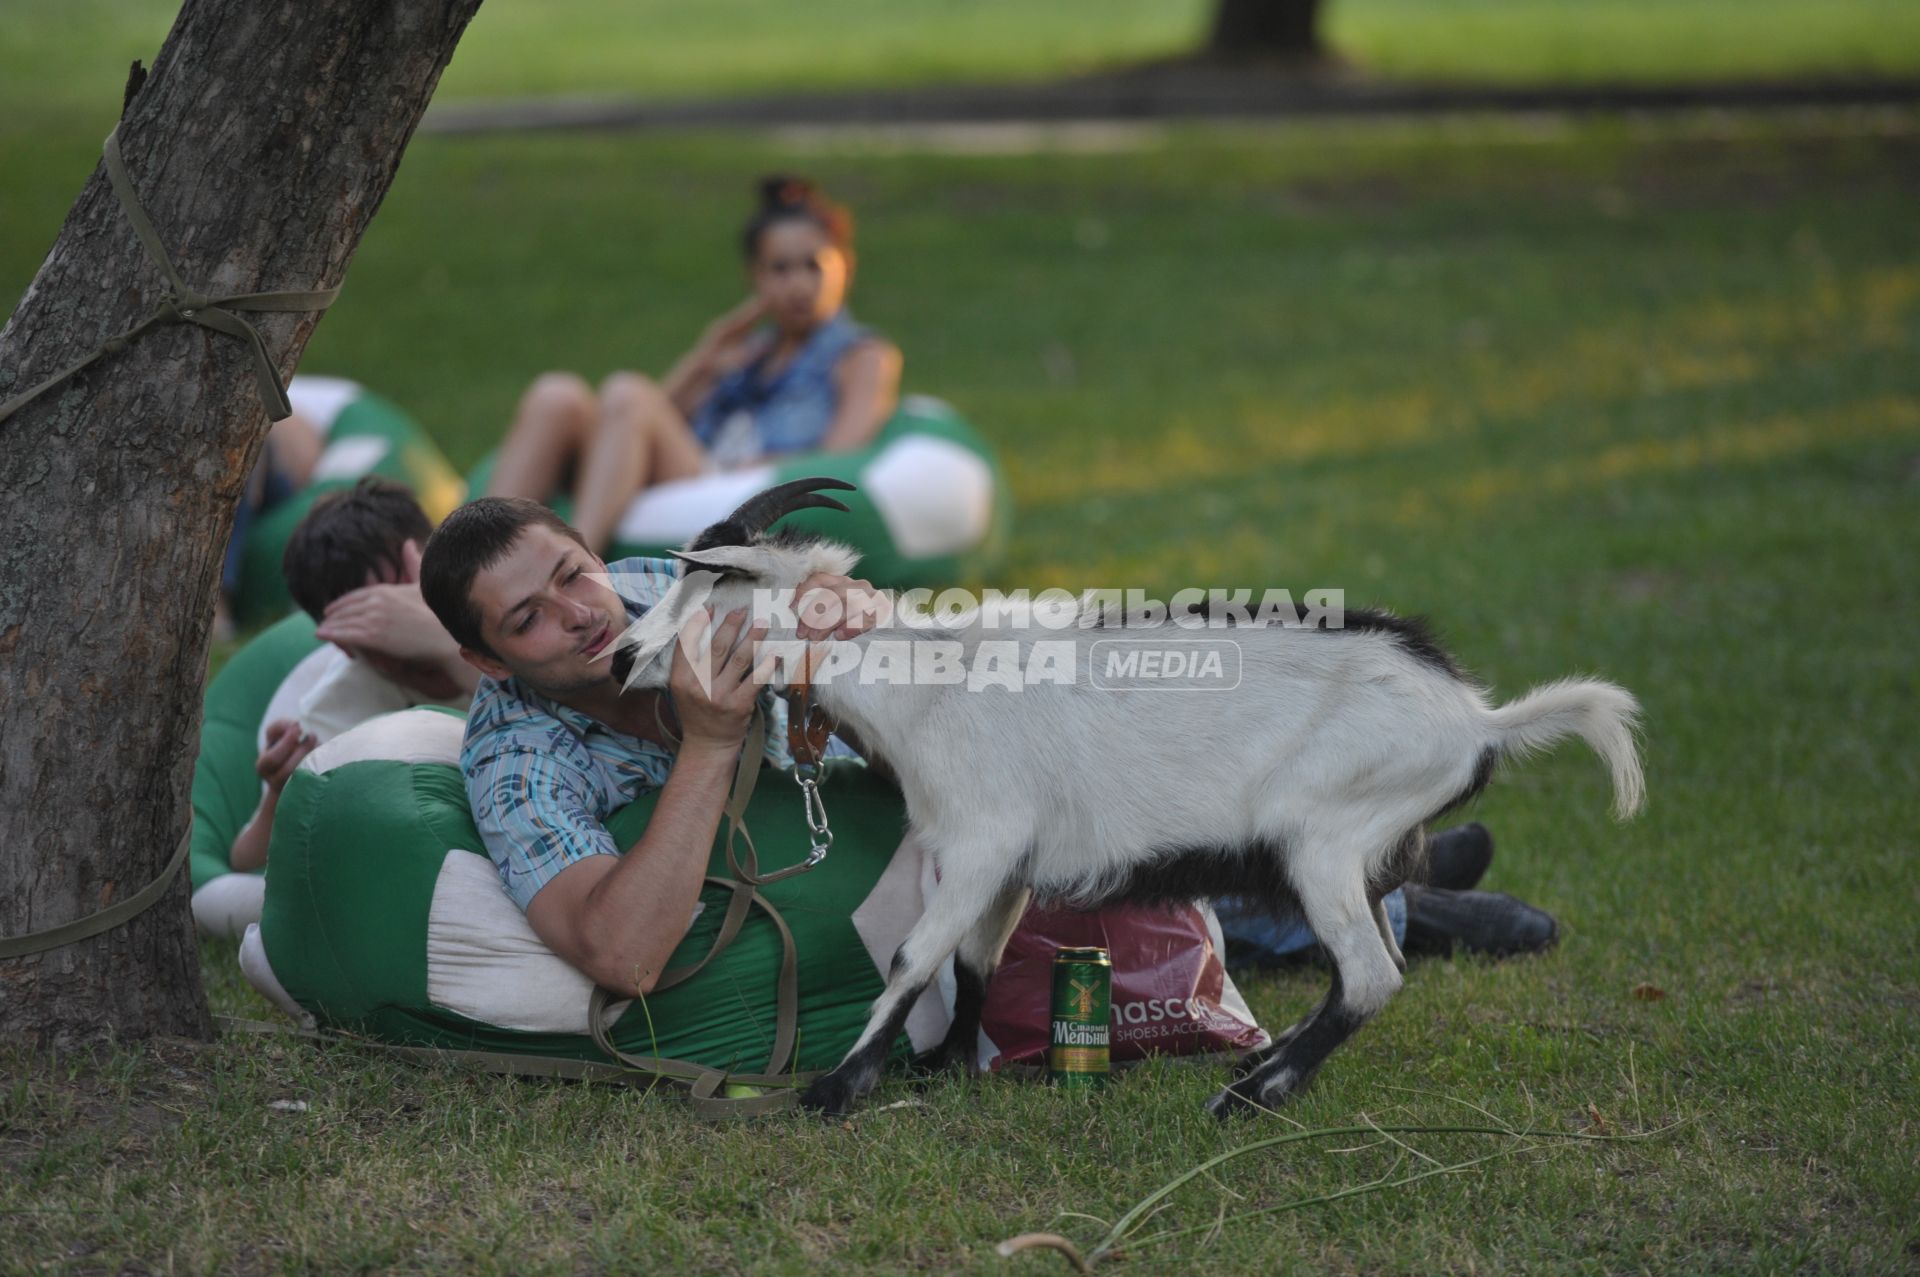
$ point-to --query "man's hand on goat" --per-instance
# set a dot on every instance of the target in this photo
(830, 606)
(716, 704)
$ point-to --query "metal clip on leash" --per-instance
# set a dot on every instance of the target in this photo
(807, 732)
(807, 776)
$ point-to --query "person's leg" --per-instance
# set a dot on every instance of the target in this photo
(640, 439)
(1256, 936)
(1440, 921)
(1425, 918)
(1457, 858)
(550, 430)
(294, 445)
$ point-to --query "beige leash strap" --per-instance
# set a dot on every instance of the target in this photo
(186, 304)
(105, 919)
(704, 1100)
(703, 1084)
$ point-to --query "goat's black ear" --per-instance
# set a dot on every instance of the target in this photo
(725, 561)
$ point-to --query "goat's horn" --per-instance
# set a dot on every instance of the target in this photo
(762, 510)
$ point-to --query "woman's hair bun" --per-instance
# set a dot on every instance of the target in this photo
(783, 196)
(783, 191)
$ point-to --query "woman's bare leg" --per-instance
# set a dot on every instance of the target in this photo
(550, 431)
(297, 445)
(641, 439)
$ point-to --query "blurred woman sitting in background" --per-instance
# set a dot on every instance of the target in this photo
(787, 370)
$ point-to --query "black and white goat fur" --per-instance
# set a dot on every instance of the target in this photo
(1307, 786)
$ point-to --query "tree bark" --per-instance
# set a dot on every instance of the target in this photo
(260, 146)
(1288, 29)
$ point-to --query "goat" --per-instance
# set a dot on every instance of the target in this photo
(1308, 786)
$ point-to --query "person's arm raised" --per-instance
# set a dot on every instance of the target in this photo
(391, 618)
(725, 345)
(619, 919)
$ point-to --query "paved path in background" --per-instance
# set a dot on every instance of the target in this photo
(1154, 93)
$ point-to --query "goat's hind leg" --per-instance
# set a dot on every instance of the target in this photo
(1250, 1063)
(1338, 909)
(957, 911)
(1408, 863)
(1385, 926)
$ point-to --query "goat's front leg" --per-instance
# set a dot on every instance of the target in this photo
(965, 899)
(974, 963)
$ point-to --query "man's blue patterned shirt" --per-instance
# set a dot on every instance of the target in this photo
(542, 778)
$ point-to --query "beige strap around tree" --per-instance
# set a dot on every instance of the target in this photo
(104, 919)
(189, 305)
(186, 304)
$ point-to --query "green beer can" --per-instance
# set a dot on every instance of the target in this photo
(1082, 1017)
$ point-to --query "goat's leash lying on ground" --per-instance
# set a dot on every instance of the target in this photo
(186, 304)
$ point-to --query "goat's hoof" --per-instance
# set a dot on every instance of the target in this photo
(829, 1096)
(944, 1059)
(1232, 1103)
(1263, 1092)
(1253, 1061)
(1250, 1063)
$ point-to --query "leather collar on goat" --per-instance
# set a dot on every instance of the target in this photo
(807, 724)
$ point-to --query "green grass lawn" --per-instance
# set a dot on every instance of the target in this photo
(71, 58)
(1635, 400)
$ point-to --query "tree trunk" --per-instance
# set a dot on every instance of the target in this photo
(1245, 29)
(260, 146)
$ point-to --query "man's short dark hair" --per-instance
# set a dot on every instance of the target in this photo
(473, 539)
(347, 534)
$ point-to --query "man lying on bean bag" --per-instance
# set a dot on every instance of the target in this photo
(353, 564)
(553, 747)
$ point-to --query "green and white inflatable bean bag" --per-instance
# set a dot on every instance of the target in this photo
(365, 434)
(932, 506)
(225, 787)
(268, 679)
(385, 917)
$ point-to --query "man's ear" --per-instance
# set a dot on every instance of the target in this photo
(486, 665)
(410, 562)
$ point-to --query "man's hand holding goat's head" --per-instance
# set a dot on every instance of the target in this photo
(804, 587)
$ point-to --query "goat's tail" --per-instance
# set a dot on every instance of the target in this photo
(1599, 713)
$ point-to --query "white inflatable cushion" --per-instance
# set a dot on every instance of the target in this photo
(935, 496)
(321, 399)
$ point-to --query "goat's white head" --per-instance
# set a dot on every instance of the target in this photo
(727, 564)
